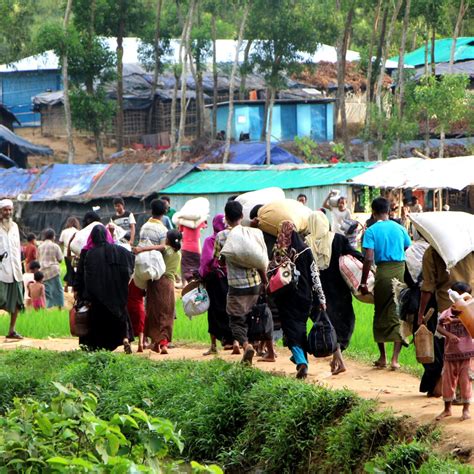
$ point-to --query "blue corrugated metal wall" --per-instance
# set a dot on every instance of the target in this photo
(18, 88)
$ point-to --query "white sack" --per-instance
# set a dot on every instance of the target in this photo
(351, 272)
(194, 210)
(254, 198)
(273, 214)
(80, 238)
(195, 302)
(245, 247)
(189, 223)
(450, 233)
(149, 266)
(414, 258)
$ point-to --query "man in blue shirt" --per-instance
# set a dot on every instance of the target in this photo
(385, 243)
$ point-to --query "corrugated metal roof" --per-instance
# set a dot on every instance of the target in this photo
(228, 180)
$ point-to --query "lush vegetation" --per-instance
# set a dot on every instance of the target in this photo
(236, 416)
(54, 323)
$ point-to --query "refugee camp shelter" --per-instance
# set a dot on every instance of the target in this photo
(219, 182)
(17, 148)
(7, 118)
(46, 197)
(291, 118)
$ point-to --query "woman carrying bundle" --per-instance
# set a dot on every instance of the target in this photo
(215, 279)
(294, 304)
(327, 247)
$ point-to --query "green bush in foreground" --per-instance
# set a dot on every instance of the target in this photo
(238, 417)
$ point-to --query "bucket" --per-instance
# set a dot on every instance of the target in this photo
(465, 304)
(424, 345)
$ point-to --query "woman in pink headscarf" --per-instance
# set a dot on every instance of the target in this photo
(215, 280)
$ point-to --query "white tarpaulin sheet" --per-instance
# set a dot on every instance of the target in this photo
(418, 173)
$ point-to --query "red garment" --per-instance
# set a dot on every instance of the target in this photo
(462, 349)
(456, 372)
(31, 253)
(136, 308)
(191, 238)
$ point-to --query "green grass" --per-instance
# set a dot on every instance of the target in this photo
(54, 323)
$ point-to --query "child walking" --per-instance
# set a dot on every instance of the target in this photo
(37, 292)
(458, 351)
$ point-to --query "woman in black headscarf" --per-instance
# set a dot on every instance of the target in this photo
(102, 282)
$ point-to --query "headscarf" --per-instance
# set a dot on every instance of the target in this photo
(207, 255)
(320, 239)
(6, 203)
(282, 249)
(98, 236)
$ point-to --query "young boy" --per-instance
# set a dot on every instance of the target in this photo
(458, 351)
(124, 219)
(28, 278)
(244, 286)
(36, 292)
(31, 250)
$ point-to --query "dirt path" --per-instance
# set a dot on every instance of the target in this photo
(393, 390)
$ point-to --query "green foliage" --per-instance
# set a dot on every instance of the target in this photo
(308, 148)
(66, 435)
(338, 149)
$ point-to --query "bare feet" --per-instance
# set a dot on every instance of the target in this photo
(443, 414)
(380, 364)
(164, 349)
(394, 366)
(140, 348)
(248, 355)
(235, 348)
(465, 415)
(302, 371)
(127, 347)
(228, 347)
(339, 369)
(266, 358)
(212, 350)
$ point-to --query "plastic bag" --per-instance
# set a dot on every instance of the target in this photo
(245, 247)
(196, 302)
(79, 240)
(351, 272)
(149, 266)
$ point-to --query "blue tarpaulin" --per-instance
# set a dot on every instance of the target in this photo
(59, 181)
(16, 182)
(254, 153)
(6, 162)
(7, 136)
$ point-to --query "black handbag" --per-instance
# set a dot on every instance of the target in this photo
(260, 322)
(322, 339)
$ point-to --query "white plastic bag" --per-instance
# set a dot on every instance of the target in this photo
(80, 238)
(451, 234)
(195, 302)
(149, 266)
(254, 198)
(194, 210)
(351, 272)
(245, 247)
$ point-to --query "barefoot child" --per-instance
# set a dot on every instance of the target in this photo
(459, 349)
(37, 292)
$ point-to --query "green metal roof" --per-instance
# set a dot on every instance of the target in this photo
(210, 181)
(464, 51)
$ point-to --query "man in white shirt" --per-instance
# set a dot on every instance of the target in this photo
(11, 278)
(339, 212)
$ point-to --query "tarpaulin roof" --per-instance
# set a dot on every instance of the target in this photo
(463, 52)
(6, 162)
(254, 153)
(25, 146)
(441, 69)
(16, 182)
(213, 179)
(454, 173)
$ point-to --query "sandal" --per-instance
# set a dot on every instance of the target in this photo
(302, 371)
(14, 335)
(248, 356)
(127, 347)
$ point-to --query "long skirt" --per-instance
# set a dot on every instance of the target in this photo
(70, 276)
(160, 303)
(189, 264)
(386, 321)
(294, 314)
(11, 296)
(107, 330)
(54, 292)
(136, 308)
(217, 317)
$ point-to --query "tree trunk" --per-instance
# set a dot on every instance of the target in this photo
(463, 7)
(244, 71)
(263, 133)
(174, 100)
(214, 76)
(442, 139)
(156, 72)
(342, 46)
(401, 68)
(433, 45)
(119, 121)
(232, 83)
(67, 104)
(270, 124)
(378, 57)
(197, 76)
(427, 73)
(182, 116)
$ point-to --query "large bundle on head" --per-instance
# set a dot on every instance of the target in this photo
(245, 247)
(193, 213)
(451, 234)
(272, 215)
(254, 198)
(80, 238)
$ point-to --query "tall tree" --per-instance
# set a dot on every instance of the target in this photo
(230, 116)
(463, 8)
(65, 74)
